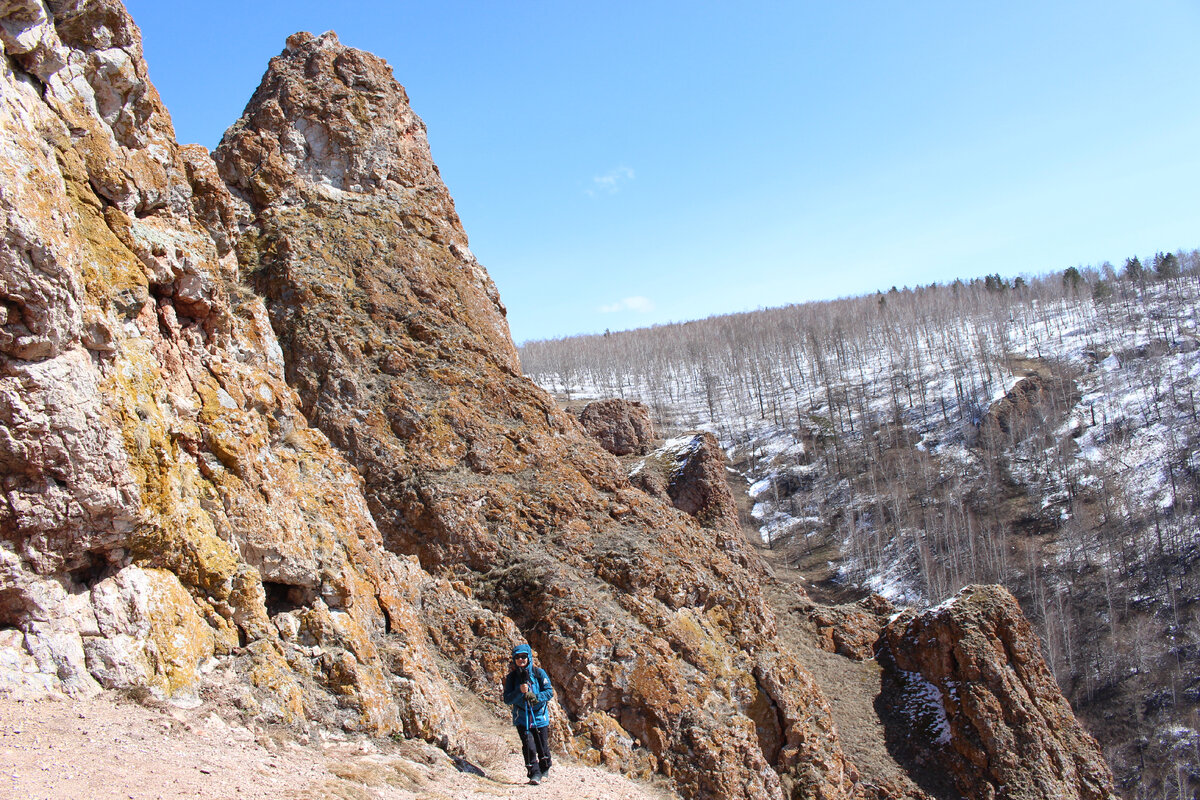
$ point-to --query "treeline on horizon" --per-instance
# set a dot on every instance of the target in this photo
(1101, 280)
(754, 363)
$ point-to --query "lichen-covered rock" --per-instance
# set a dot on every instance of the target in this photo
(396, 342)
(851, 630)
(345, 132)
(622, 427)
(978, 702)
(689, 471)
(164, 500)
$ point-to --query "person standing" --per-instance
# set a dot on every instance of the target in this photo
(527, 689)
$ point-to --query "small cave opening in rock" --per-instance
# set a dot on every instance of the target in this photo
(11, 311)
(769, 723)
(12, 609)
(283, 597)
(89, 569)
(634, 724)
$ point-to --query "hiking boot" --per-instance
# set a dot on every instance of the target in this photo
(535, 779)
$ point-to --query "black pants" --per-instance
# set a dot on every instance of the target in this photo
(535, 746)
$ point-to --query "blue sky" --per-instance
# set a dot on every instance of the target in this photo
(622, 164)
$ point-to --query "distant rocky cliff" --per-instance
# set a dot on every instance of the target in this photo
(998, 725)
(261, 412)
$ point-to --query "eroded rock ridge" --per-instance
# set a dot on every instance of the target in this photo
(972, 695)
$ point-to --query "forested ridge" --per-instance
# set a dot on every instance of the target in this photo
(1041, 433)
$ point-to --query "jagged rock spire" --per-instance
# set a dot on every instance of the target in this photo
(329, 123)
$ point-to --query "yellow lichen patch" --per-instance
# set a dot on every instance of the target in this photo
(270, 672)
(108, 267)
(704, 647)
(248, 602)
(233, 435)
(687, 629)
(353, 669)
(718, 619)
(181, 639)
(200, 558)
(600, 740)
(234, 442)
(177, 534)
(133, 386)
(360, 598)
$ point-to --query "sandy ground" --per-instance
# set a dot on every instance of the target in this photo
(114, 748)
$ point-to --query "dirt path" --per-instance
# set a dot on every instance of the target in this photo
(851, 687)
(114, 749)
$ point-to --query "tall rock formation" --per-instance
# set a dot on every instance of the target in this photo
(261, 421)
(974, 699)
(395, 340)
(165, 502)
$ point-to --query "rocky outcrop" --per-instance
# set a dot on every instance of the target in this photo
(622, 427)
(852, 629)
(394, 338)
(976, 700)
(165, 501)
(1013, 417)
(689, 472)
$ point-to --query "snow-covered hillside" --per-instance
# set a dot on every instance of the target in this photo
(1042, 435)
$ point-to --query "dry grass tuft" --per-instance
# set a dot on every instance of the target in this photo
(487, 751)
(336, 790)
(372, 772)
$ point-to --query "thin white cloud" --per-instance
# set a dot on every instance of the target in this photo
(637, 303)
(611, 181)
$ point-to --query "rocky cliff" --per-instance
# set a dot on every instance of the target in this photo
(622, 427)
(395, 340)
(166, 501)
(261, 417)
(970, 693)
(688, 471)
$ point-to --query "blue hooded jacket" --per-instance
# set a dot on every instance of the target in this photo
(528, 714)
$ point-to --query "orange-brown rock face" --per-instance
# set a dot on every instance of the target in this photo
(850, 630)
(659, 640)
(974, 698)
(622, 427)
(689, 471)
(1016, 414)
(346, 134)
(165, 502)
